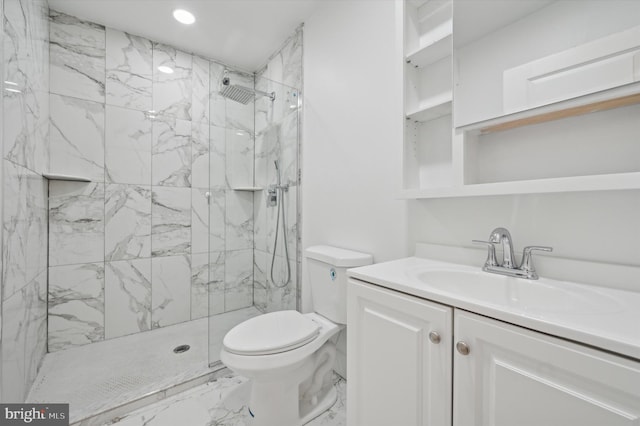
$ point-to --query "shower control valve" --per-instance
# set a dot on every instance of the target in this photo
(272, 196)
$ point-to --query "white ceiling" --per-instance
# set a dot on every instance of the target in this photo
(243, 33)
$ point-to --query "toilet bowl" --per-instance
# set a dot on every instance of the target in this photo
(289, 356)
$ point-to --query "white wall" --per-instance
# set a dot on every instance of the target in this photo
(352, 131)
(593, 226)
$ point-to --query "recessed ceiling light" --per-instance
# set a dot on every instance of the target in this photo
(165, 69)
(184, 16)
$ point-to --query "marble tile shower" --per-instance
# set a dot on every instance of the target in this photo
(277, 137)
(24, 64)
(158, 235)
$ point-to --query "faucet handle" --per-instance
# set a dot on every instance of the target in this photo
(491, 253)
(527, 260)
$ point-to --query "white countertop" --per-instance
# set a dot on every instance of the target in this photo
(613, 324)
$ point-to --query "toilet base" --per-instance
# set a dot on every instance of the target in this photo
(323, 405)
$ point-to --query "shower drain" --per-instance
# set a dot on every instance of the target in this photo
(181, 349)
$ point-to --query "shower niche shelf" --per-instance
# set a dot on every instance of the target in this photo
(473, 130)
(71, 178)
(247, 188)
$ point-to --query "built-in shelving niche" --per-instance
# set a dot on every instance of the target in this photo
(582, 140)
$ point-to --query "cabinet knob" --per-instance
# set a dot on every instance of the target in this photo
(463, 348)
(434, 337)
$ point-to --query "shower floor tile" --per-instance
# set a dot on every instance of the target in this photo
(222, 402)
(104, 376)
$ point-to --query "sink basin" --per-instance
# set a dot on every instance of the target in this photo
(533, 296)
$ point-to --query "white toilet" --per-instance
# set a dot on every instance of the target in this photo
(287, 355)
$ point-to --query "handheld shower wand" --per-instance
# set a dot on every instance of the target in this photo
(280, 206)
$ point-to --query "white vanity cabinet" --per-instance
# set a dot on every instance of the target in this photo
(399, 362)
(514, 376)
(502, 374)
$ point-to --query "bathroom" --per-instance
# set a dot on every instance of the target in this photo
(172, 212)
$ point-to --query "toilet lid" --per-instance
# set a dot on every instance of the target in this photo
(271, 333)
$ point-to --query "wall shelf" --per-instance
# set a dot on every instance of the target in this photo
(432, 108)
(609, 182)
(514, 121)
(434, 46)
(59, 176)
(248, 188)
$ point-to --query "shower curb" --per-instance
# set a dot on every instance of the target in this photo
(112, 415)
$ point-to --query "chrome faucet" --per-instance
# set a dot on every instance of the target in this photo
(508, 267)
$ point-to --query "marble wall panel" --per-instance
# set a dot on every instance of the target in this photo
(76, 305)
(172, 92)
(128, 146)
(200, 285)
(217, 104)
(239, 220)
(200, 87)
(23, 339)
(171, 153)
(76, 222)
(77, 52)
(127, 297)
(77, 137)
(216, 282)
(129, 65)
(171, 290)
(200, 155)
(127, 221)
(217, 221)
(217, 158)
(199, 221)
(171, 221)
(15, 228)
(239, 116)
(239, 158)
(238, 277)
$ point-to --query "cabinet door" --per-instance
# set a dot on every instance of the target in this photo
(516, 377)
(396, 375)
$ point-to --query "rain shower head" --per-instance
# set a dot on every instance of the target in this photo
(241, 94)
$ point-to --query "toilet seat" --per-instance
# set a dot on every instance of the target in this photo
(271, 333)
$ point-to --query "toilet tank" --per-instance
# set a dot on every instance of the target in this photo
(327, 272)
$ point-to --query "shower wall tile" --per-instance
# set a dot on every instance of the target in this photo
(15, 228)
(127, 222)
(260, 271)
(171, 155)
(217, 105)
(127, 297)
(26, 71)
(200, 95)
(286, 66)
(77, 137)
(216, 282)
(171, 290)
(128, 146)
(239, 158)
(37, 225)
(200, 155)
(129, 72)
(199, 285)
(239, 116)
(239, 220)
(289, 148)
(199, 221)
(238, 292)
(76, 222)
(217, 222)
(270, 297)
(261, 225)
(76, 305)
(172, 93)
(171, 221)
(36, 326)
(217, 158)
(24, 338)
(77, 52)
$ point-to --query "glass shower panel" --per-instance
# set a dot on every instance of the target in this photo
(253, 201)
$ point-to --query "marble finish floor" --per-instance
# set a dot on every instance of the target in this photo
(139, 368)
(222, 402)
